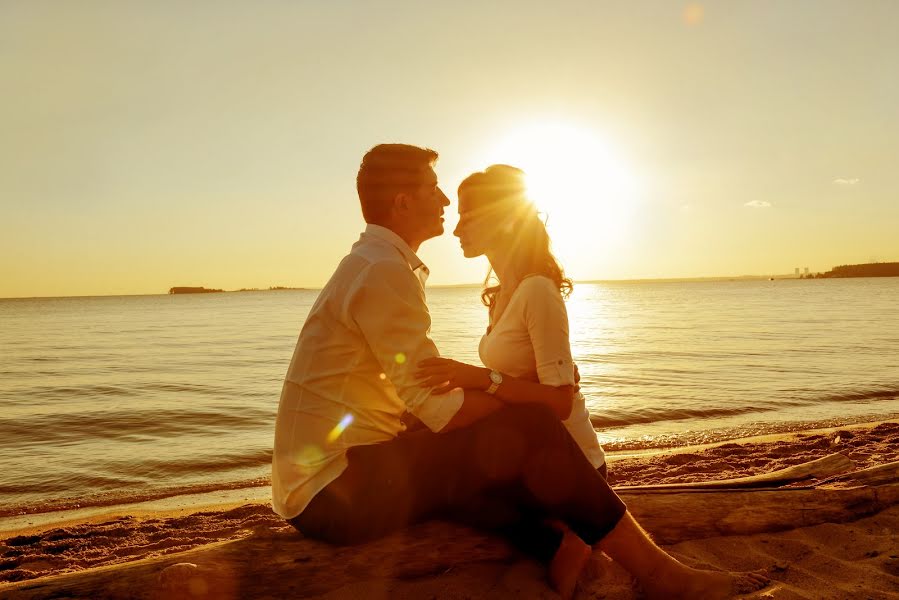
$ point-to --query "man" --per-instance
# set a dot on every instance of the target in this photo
(341, 471)
(352, 373)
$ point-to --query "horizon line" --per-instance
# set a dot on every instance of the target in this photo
(442, 286)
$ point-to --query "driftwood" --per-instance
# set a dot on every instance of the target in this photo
(674, 516)
(820, 469)
(878, 475)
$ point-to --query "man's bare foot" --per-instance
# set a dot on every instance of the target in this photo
(695, 584)
(568, 563)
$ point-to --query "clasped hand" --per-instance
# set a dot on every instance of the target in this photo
(444, 374)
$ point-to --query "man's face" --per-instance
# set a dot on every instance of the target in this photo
(426, 207)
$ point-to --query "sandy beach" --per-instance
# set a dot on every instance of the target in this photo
(215, 547)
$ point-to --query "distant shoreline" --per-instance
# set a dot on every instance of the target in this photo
(178, 290)
(709, 279)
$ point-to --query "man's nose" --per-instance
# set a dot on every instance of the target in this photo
(444, 200)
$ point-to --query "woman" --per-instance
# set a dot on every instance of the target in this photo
(527, 337)
(528, 358)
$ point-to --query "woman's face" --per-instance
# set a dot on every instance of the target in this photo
(477, 231)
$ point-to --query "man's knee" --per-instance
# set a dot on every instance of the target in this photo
(524, 425)
(502, 442)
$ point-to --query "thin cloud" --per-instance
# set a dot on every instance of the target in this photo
(758, 204)
(846, 180)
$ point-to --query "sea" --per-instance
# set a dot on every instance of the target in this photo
(117, 399)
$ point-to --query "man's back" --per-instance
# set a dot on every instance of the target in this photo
(350, 378)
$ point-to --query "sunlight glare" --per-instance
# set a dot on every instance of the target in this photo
(585, 189)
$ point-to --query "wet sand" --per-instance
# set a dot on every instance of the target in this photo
(851, 560)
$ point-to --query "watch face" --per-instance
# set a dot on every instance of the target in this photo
(496, 377)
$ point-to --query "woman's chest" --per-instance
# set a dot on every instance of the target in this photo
(508, 348)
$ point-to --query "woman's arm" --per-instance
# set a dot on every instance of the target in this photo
(445, 374)
(546, 319)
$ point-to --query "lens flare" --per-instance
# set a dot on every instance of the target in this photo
(310, 455)
(400, 358)
(693, 14)
(340, 428)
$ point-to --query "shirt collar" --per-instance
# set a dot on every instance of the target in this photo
(387, 235)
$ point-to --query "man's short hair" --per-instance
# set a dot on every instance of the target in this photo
(386, 170)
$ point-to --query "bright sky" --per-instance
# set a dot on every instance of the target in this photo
(158, 143)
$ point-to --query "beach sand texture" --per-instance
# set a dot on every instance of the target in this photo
(247, 552)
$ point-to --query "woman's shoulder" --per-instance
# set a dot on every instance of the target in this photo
(539, 287)
(540, 283)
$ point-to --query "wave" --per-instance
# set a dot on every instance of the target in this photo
(126, 497)
(861, 396)
(34, 484)
(655, 415)
(621, 418)
(731, 434)
(120, 424)
(97, 390)
(151, 469)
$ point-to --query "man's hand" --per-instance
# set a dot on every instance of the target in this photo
(444, 374)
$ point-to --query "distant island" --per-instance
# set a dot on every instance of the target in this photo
(890, 269)
(203, 290)
(192, 290)
(274, 288)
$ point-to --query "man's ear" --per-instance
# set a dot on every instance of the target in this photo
(401, 203)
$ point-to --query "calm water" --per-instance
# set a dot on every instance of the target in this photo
(124, 398)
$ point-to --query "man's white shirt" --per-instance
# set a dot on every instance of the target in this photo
(352, 372)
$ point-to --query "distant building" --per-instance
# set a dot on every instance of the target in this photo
(797, 271)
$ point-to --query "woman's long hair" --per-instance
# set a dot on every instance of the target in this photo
(500, 193)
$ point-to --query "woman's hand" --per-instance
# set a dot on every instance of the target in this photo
(444, 374)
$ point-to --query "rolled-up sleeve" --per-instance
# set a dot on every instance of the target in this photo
(388, 305)
(547, 323)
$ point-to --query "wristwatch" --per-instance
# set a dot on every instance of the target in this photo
(496, 378)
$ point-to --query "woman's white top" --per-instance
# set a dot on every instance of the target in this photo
(531, 338)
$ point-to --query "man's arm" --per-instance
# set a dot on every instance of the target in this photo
(388, 307)
(450, 374)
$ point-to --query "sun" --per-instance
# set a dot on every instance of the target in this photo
(586, 191)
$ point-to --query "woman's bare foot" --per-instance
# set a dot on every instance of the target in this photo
(697, 584)
(663, 576)
(568, 563)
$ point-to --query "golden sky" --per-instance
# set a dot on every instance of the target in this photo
(150, 144)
